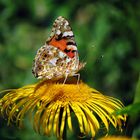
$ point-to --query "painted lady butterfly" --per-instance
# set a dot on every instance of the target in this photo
(58, 58)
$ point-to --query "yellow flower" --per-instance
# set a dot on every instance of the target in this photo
(51, 105)
(117, 138)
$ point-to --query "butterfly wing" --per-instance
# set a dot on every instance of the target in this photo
(59, 56)
(62, 37)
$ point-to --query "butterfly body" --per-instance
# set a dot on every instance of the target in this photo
(58, 58)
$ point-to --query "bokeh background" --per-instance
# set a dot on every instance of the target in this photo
(108, 38)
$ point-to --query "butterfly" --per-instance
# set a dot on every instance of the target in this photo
(58, 58)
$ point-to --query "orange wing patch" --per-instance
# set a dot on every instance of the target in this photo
(62, 45)
(71, 54)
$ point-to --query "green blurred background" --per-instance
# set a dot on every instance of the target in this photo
(108, 38)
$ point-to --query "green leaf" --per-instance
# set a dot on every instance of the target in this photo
(133, 109)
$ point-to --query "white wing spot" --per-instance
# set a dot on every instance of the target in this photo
(72, 47)
(66, 24)
(58, 32)
(68, 59)
(61, 54)
(53, 61)
(70, 33)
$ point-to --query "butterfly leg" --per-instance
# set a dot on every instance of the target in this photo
(78, 77)
(66, 76)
